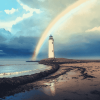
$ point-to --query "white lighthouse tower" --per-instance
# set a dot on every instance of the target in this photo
(51, 47)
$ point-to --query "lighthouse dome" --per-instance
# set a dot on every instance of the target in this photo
(50, 37)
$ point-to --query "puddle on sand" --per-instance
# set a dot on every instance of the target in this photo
(48, 91)
(28, 95)
(51, 85)
(34, 94)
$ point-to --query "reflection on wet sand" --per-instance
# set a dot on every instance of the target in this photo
(80, 81)
(51, 85)
(50, 90)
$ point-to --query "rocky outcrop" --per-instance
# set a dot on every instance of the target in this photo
(64, 60)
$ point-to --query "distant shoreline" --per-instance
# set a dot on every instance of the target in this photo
(32, 61)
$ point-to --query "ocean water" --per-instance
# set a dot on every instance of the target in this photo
(14, 68)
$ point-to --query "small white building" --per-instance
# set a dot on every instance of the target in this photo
(51, 47)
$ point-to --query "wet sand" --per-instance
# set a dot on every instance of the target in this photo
(72, 81)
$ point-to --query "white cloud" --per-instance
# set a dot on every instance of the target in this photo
(31, 10)
(8, 25)
(10, 11)
(1, 50)
(93, 29)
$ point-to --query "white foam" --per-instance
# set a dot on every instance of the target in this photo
(14, 73)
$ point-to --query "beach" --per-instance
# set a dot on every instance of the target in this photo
(72, 80)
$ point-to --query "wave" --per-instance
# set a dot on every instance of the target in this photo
(17, 64)
(7, 85)
(13, 73)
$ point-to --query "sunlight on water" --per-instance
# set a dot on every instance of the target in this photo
(19, 68)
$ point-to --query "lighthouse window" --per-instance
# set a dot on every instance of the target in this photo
(52, 50)
(52, 42)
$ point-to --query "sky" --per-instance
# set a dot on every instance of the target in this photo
(22, 23)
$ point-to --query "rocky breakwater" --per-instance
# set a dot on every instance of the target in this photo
(10, 84)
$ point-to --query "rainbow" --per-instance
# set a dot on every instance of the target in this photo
(56, 23)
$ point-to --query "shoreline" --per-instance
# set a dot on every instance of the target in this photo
(9, 84)
(28, 82)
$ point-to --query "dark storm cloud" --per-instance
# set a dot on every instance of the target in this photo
(80, 46)
(90, 50)
(42, 55)
(22, 42)
(4, 34)
(2, 39)
(17, 46)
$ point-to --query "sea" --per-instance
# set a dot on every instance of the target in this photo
(15, 68)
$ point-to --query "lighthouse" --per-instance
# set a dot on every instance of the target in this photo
(51, 47)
